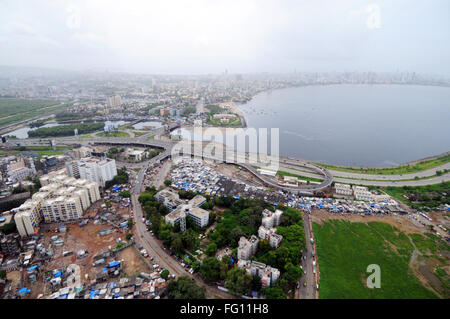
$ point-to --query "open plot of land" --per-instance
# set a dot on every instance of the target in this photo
(16, 110)
(133, 263)
(345, 249)
(402, 169)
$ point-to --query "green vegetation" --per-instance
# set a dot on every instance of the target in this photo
(214, 109)
(8, 228)
(85, 136)
(185, 288)
(41, 148)
(430, 196)
(188, 110)
(241, 218)
(125, 194)
(344, 251)
(66, 130)
(68, 116)
(17, 110)
(429, 244)
(152, 137)
(305, 178)
(167, 182)
(399, 170)
(238, 281)
(113, 134)
(137, 133)
(165, 274)
(120, 178)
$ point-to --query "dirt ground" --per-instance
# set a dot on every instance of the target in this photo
(75, 238)
(234, 172)
(133, 263)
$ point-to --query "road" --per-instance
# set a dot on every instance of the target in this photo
(155, 249)
(327, 175)
(308, 292)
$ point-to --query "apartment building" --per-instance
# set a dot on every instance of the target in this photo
(247, 247)
(362, 193)
(62, 198)
(343, 189)
(179, 211)
(82, 152)
(271, 219)
(169, 199)
(271, 235)
(93, 169)
(268, 275)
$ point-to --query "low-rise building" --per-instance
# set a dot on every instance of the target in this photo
(268, 275)
(343, 189)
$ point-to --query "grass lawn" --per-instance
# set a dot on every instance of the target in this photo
(85, 136)
(311, 179)
(344, 251)
(114, 134)
(42, 148)
(421, 196)
(16, 110)
(399, 170)
(137, 134)
(152, 137)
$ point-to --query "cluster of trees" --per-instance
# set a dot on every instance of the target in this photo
(188, 110)
(66, 130)
(185, 288)
(125, 194)
(154, 152)
(241, 218)
(171, 236)
(37, 123)
(68, 116)
(422, 197)
(121, 178)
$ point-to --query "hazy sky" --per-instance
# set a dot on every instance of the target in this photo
(242, 36)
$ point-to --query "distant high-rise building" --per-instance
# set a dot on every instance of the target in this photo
(93, 169)
(114, 101)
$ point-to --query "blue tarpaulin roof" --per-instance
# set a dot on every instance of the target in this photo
(24, 291)
(59, 273)
(113, 264)
(32, 268)
(275, 204)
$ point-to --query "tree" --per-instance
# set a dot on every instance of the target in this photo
(274, 293)
(292, 274)
(167, 182)
(211, 249)
(263, 246)
(210, 269)
(238, 281)
(177, 245)
(185, 288)
(256, 283)
(128, 236)
(165, 274)
(125, 194)
(2, 274)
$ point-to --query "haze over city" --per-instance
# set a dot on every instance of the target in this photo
(184, 37)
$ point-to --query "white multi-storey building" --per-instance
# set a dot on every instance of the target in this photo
(267, 274)
(362, 193)
(61, 198)
(271, 235)
(93, 169)
(343, 189)
(247, 247)
(271, 219)
(179, 211)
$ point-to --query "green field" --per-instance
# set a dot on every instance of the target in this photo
(137, 134)
(16, 110)
(399, 170)
(430, 196)
(344, 251)
(310, 179)
(114, 134)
